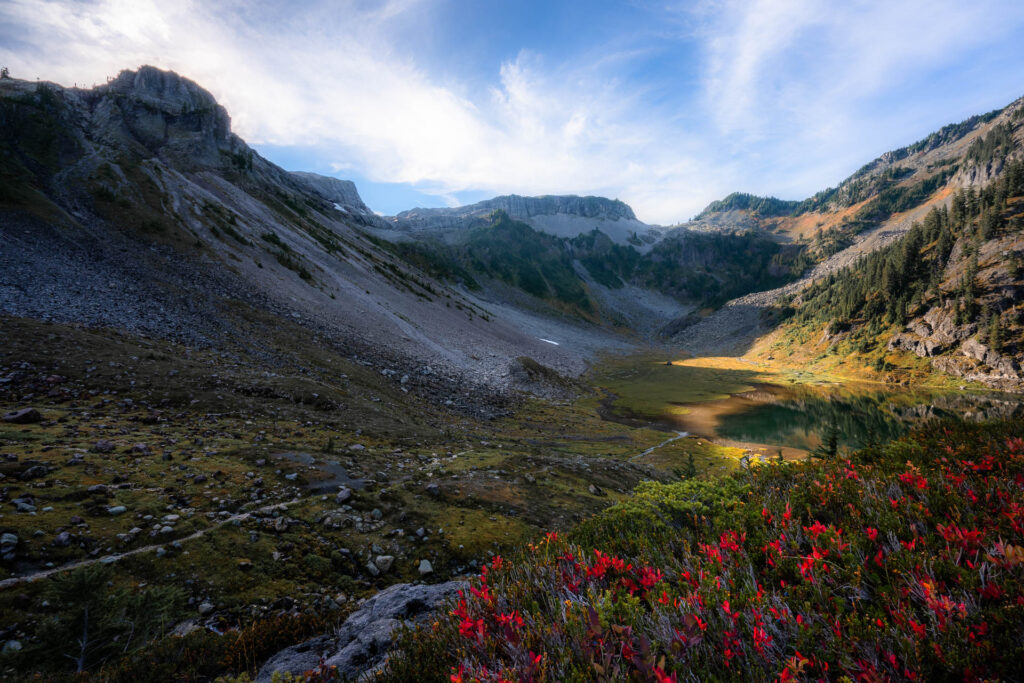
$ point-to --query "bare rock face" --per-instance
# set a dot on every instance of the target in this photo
(1004, 366)
(363, 642)
(340, 192)
(955, 350)
(164, 113)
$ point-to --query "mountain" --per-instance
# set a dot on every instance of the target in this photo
(132, 205)
(140, 186)
(562, 216)
(916, 252)
(237, 402)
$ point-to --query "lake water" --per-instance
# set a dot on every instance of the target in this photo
(802, 416)
(745, 405)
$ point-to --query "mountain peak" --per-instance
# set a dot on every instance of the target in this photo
(166, 91)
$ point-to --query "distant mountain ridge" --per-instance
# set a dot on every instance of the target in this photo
(519, 207)
(559, 215)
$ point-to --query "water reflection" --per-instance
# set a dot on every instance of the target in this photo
(802, 416)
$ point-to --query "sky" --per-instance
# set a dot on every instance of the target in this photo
(664, 105)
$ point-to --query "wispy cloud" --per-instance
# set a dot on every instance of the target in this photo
(786, 90)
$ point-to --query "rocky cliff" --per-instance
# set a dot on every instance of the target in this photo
(563, 216)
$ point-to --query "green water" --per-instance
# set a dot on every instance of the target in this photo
(754, 407)
(802, 417)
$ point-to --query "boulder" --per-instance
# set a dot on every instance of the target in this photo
(363, 642)
(103, 446)
(8, 543)
(24, 416)
(425, 568)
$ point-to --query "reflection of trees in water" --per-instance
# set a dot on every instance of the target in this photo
(807, 418)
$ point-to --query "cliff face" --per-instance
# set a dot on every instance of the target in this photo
(150, 111)
(335, 190)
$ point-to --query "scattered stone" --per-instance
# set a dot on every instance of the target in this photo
(12, 646)
(97, 489)
(384, 562)
(343, 495)
(425, 568)
(62, 540)
(142, 449)
(117, 510)
(433, 489)
(205, 608)
(103, 446)
(292, 477)
(24, 416)
(372, 568)
(376, 514)
(357, 447)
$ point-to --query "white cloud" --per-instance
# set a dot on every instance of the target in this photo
(813, 80)
(786, 88)
(333, 78)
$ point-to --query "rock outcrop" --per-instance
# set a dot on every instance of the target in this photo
(363, 642)
(335, 190)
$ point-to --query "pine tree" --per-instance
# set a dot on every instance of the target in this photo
(691, 467)
(995, 333)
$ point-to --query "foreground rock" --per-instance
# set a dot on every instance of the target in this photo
(24, 416)
(363, 642)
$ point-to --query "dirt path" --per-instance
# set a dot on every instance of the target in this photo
(109, 559)
(679, 435)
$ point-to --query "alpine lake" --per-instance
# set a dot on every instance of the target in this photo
(770, 413)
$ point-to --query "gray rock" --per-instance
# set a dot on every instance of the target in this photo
(205, 608)
(425, 568)
(343, 495)
(384, 562)
(362, 643)
(23, 417)
(8, 542)
(12, 646)
(117, 510)
(34, 472)
(433, 489)
(376, 514)
(62, 540)
(372, 568)
(103, 446)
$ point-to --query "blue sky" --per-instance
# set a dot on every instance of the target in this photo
(665, 105)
